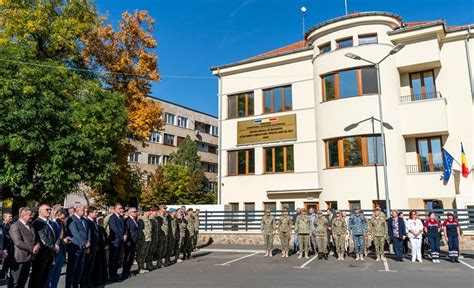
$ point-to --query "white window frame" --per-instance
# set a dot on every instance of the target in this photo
(153, 156)
(168, 117)
(180, 122)
(134, 157)
(156, 135)
(214, 130)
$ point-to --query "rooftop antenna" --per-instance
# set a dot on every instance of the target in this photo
(303, 13)
(345, 5)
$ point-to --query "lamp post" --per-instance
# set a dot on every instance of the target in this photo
(303, 13)
(394, 50)
(386, 125)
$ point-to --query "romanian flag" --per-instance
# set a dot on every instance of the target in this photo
(465, 170)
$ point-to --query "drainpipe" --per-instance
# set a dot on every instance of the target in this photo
(219, 156)
(468, 55)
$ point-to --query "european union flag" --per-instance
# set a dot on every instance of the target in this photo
(448, 164)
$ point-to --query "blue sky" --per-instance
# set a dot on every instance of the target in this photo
(194, 35)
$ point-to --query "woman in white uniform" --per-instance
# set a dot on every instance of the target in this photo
(415, 234)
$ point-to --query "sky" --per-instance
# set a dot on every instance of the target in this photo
(194, 35)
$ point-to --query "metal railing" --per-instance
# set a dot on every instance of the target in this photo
(240, 221)
(436, 167)
(420, 97)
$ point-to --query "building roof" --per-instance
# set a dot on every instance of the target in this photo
(182, 106)
(285, 49)
(350, 16)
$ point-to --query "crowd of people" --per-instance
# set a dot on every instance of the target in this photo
(94, 244)
(330, 234)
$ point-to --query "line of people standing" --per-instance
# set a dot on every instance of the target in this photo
(331, 233)
(93, 244)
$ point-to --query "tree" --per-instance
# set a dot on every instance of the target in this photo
(187, 155)
(58, 129)
(127, 54)
(47, 29)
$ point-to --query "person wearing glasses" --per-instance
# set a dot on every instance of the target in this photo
(432, 229)
(415, 231)
(452, 234)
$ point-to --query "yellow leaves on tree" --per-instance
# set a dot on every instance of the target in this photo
(127, 54)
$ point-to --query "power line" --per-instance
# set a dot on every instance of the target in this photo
(144, 76)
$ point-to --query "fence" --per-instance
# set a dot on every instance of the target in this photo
(420, 97)
(250, 220)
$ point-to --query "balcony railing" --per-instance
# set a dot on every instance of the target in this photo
(425, 168)
(420, 97)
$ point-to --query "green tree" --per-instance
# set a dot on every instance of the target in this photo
(57, 129)
(187, 155)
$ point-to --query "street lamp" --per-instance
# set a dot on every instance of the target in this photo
(386, 125)
(303, 13)
(394, 50)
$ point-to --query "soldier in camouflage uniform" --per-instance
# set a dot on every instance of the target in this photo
(166, 234)
(267, 226)
(322, 225)
(183, 235)
(196, 229)
(379, 232)
(154, 236)
(358, 229)
(284, 230)
(144, 241)
(302, 227)
(174, 235)
(339, 233)
(190, 230)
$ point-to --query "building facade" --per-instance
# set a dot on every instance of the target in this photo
(180, 121)
(299, 125)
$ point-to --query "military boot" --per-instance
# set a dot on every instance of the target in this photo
(326, 256)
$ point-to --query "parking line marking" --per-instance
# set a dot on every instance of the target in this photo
(235, 260)
(387, 269)
(306, 263)
(232, 250)
(472, 267)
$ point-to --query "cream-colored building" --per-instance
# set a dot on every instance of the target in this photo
(180, 121)
(285, 118)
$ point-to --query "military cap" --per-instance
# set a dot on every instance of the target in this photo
(190, 209)
(154, 209)
(146, 209)
(172, 210)
(163, 206)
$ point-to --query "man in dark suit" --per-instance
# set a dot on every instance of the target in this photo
(3, 253)
(117, 237)
(7, 244)
(131, 228)
(90, 253)
(25, 247)
(78, 233)
(46, 237)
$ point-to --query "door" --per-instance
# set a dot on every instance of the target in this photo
(309, 205)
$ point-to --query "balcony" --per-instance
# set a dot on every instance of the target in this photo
(425, 168)
(423, 114)
(420, 97)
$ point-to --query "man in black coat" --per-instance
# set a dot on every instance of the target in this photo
(90, 253)
(116, 238)
(46, 237)
(7, 244)
(131, 228)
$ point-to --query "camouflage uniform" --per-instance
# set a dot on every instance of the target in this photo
(162, 239)
(183, 236)
(378, 230)
(174, 237)
(339, 230)
(284, 230)
(190, 230)
(196, 231)
(144, 241)
(322, 225)
(267, 226)
(358, 228)
(302, 227)
(154, 239)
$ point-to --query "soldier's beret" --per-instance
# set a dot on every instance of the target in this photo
(190, 209)
(154, 209)
(172, 210)
(146, 209)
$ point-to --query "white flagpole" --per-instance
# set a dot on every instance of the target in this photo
(345, 5)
